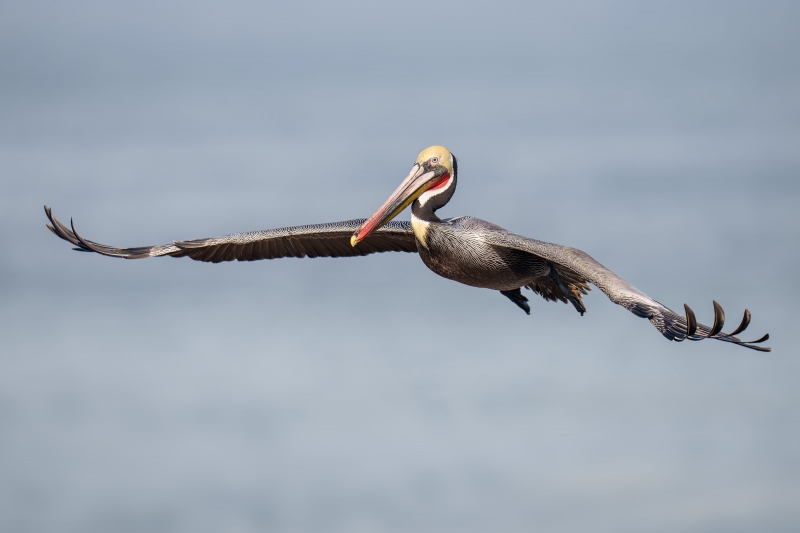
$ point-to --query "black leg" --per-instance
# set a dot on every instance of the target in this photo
(517, 297)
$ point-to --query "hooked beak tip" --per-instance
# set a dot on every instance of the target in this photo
(354, 240)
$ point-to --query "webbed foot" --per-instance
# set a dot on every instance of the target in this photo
(517, 297)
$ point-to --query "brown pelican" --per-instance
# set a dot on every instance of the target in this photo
(464, 249)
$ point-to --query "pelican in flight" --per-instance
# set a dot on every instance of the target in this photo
(463, 249)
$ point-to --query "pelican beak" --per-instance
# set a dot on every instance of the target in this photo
(420, 179)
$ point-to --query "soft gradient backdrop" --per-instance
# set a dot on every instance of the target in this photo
(368, 394)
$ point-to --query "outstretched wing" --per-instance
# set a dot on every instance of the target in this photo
(318, 240)
(672, 325)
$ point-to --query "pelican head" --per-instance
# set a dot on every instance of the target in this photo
(434, 169)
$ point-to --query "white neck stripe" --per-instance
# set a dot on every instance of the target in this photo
(427, 195)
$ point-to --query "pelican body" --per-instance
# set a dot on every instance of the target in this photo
(464, 249)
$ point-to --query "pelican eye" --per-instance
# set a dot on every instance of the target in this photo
(435, 159)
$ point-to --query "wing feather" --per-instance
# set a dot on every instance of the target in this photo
(318, 240)
(578, 268)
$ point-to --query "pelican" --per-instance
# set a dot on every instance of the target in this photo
(464, 249)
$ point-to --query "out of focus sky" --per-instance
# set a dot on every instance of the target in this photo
(368, 394)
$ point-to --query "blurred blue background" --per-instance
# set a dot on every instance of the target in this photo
(368, 394)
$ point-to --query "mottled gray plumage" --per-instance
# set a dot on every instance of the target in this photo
(463, 249)
(459, 249)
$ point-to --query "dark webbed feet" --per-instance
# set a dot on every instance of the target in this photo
(517, 297)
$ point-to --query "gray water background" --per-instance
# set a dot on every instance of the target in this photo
(368, 394)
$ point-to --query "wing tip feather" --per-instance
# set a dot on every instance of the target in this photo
(678, 328)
